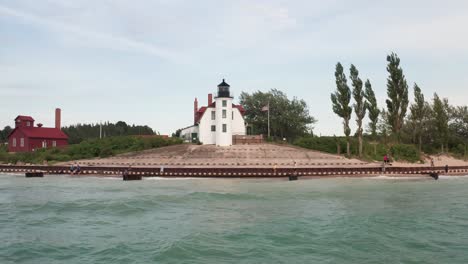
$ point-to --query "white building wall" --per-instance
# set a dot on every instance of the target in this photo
(223, 138)
(207, 136)
(186, 133)
(238, 123)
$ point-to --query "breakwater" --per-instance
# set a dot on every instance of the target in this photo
(233, 172)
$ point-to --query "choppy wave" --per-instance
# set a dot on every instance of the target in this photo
(88, 220)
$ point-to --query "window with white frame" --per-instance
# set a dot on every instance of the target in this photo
(213, 115)
(224, 103)
(21, 142)
(54, 143)
(224, 113)
(28, 123)
(44, 144)
(14, 142)
(213, 128)
(224, 128)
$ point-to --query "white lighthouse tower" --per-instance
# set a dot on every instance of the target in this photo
(224, 114)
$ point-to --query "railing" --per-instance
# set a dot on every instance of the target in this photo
(235, 172)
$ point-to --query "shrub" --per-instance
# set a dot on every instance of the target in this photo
(89, 149)
(405, 152)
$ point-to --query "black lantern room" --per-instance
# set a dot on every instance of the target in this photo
(223, 90)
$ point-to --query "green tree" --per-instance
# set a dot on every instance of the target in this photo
(383, 126)
(359, 105)
(440, 109)
(373, 109)
(288, 118)
(5, 133)
(397, 91)
(459, 126)
(79, 132)
(459, 123)
(419, 112)
(340, 101)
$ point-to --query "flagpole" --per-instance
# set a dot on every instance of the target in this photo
(268, 119)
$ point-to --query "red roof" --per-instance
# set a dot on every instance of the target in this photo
(202, 110)
(42, 132)
(24, 118)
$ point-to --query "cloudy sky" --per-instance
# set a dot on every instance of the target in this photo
(144, 61)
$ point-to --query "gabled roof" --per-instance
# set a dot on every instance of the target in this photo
(24, 118)
(202, 110)
(41, 132)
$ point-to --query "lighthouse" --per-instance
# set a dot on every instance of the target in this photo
(218, 121)
(223, 103)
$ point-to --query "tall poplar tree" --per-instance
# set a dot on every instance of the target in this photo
(397, 91)
(419, 112)
(359, 105)
(373, 109)
(440, 108)
(340, 101)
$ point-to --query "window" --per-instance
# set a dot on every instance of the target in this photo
(224, 113)
(44, 144)
(224, 103)
(213, 128)
(14, 142)
(213, 115)
(54, 143)
(28, 123)
(21, 142)
(224, 128)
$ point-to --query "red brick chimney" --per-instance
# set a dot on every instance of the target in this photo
(195, 110)
(58, 118)
(210, 99)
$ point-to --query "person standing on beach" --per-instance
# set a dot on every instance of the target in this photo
(432, 162)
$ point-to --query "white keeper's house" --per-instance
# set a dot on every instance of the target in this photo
(217, 122)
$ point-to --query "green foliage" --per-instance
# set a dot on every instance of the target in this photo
(341, 99)
(459, 123)
(397, 91)
(91, 148)
(78, 133)
(325, 144)
(404, 152)
(4, 134)
(288, 118)
(441, 110)
(371, 150)
(419, 113)
(359, 105)
(372, 107)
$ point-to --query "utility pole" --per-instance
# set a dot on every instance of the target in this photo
(100, 130)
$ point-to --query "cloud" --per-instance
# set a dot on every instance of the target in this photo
(96, 39)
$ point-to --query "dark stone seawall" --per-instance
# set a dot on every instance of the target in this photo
(238, 172)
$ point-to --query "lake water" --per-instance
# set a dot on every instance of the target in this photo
(59, 219)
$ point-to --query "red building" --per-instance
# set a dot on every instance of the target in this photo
(26, 137)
